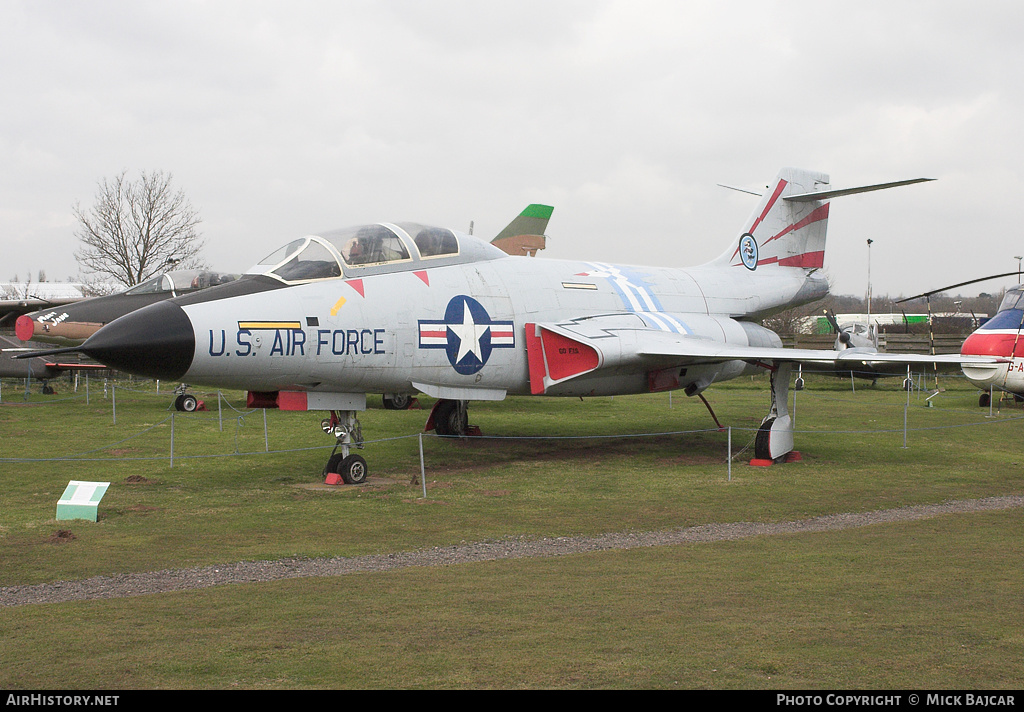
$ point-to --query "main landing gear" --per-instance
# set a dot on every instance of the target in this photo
(398, 401)
(451, 418)
(345, 427)
(774, 441)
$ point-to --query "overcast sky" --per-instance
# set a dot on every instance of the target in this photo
(280, 119)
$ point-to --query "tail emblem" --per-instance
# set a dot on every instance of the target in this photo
(748, 251)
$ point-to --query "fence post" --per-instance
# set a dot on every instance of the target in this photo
(266, 436)
(113, 401)
(172, 438)
(905, 408)
(423, 471)
(730, 454)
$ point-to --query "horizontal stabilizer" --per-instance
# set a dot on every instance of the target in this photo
(826, 194)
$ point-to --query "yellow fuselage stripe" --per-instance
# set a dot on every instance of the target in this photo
(256, 325)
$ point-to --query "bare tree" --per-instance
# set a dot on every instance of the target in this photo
(138, 229)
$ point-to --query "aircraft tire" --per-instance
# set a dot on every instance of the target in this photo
(334, 464)
(354, 470)
(448, 419)
(983, 400)
(762, 442)
(177, 403)
(399, 401)
(189, 403)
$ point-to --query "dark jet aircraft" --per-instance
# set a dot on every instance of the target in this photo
(71, 324)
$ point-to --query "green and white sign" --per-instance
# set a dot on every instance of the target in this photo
(81, 500)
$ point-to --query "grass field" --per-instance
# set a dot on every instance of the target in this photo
(927, 604)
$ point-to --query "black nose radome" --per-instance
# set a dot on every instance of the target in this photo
(155, 341)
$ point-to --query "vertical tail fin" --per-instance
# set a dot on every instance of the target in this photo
(788, 227)
(525, 234)
(782, 231)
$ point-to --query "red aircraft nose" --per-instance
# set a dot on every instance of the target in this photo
(982, 343)
(24, 327)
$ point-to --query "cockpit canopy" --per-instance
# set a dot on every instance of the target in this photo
(859, 328)
(1011, 311)
(181, 281)
(1013, 299)
(372, 249)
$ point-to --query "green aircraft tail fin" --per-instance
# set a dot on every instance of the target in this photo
(525, 234)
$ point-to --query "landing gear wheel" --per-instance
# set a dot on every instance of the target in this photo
(354, 470)
(908, 385)
(186, 403)
(450, 418)
(984, 400)
(762, 442)
(400, 401)
(334, 464)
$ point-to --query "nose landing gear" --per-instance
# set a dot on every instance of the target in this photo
(186, 402)
(345, 427)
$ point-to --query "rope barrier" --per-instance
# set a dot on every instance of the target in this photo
(243, 414)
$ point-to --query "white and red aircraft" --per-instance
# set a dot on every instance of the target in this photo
(405, 308)
(1000, 337)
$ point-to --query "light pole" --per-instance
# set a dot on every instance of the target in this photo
(869, 284)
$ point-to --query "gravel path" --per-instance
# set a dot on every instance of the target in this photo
(124, 585)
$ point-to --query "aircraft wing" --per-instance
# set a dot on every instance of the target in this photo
(712, 352)
(558, 352)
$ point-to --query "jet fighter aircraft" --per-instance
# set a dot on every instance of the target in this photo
(407, 308)
(64, 323)
(74, 323)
